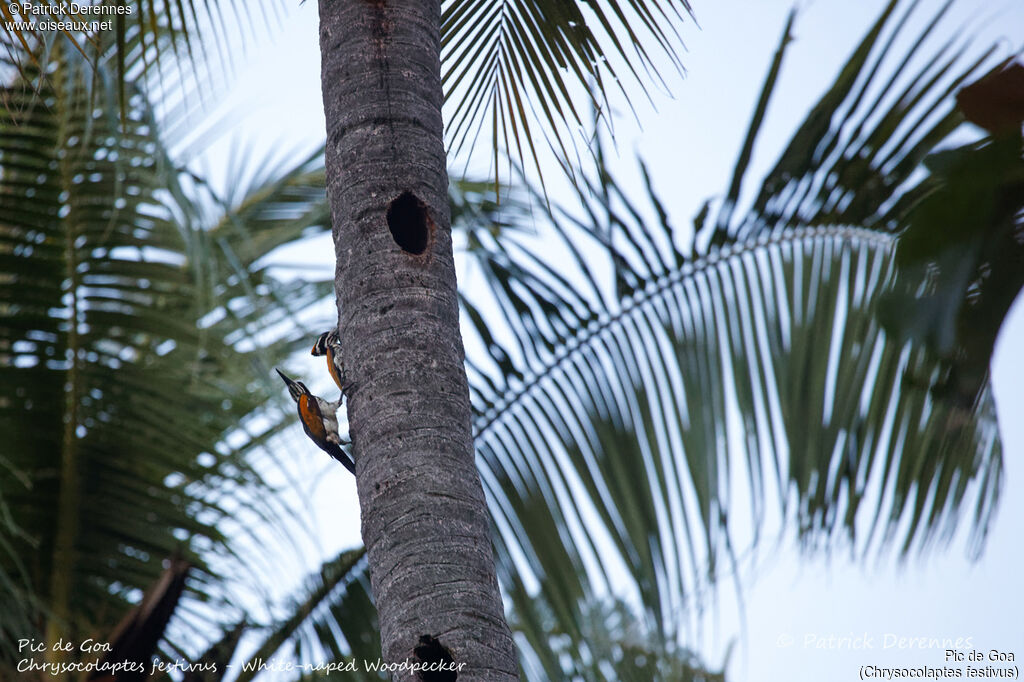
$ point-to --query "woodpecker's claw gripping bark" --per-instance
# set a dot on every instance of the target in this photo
(329, 345)
(319, 420)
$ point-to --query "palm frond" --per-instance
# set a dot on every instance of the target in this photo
(131, 357)
(615, 647)
(959, 255)
(335, 620)
(517, 66)
(647, 429)
(167, 43)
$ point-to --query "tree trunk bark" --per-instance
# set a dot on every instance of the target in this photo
(424, 519)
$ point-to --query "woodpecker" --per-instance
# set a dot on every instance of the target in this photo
(319, 420)
(329, 345)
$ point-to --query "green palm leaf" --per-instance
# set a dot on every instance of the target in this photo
(616, 424)
(135, 355)
(514, 64)
(169, 44)
(335, 620)
(615, 647)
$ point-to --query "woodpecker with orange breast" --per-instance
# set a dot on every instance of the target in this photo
(329, 345)
(319, 420)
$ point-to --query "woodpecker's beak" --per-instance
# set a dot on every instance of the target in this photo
(294, 387)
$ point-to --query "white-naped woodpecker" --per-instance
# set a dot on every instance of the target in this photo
(328, 345)
(319, 420)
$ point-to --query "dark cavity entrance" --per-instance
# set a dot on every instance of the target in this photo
(437, 658)
(409, 224)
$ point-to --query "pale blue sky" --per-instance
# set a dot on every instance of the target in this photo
(690, 143)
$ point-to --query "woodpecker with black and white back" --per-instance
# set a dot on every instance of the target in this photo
(329, 345)
(319, 420)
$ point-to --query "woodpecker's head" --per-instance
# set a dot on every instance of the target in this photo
(329, 338)
(295, 388)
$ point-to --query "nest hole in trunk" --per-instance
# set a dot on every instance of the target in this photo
(410, 224)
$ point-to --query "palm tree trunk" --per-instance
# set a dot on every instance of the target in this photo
(424, 519)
